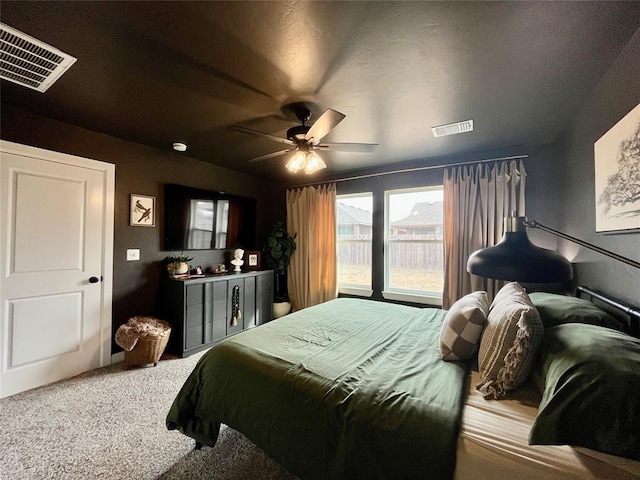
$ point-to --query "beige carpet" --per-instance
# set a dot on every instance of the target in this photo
(110, 423)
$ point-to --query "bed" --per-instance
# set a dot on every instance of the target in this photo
(359, 389)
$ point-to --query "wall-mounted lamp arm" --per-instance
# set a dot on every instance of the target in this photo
(628, 261)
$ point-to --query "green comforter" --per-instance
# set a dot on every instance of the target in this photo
(346, 389)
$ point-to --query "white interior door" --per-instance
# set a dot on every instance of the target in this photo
(56, 242)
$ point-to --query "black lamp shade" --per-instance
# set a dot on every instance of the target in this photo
(515, 258)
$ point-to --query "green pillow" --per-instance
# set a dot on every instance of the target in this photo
(592, 390)
(560, 309)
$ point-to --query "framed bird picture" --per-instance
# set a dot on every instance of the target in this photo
(142, 211)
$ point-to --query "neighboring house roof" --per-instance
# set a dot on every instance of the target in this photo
(422, 213)
(348, 215)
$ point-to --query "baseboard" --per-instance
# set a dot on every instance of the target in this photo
(117, 357)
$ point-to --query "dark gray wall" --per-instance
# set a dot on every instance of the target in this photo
(617, 94)
(143, 170)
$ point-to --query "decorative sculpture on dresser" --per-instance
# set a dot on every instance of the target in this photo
(237, 259)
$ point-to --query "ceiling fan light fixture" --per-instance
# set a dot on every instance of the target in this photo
(314, 163)
(304, 139)
(297, 162)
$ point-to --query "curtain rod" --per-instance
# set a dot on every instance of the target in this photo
(406, 170)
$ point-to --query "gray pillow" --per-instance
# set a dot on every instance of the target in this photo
(510, 342)
(462, 327)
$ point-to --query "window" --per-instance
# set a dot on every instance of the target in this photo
(414, 255)
(354, 232)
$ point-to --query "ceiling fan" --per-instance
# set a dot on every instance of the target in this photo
(305, 140)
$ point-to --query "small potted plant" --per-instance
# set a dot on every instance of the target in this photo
(177, 264)
(277, 255)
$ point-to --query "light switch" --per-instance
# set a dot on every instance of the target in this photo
(133, 254)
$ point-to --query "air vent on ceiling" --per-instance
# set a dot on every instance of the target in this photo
(452, 128)
(30, 62)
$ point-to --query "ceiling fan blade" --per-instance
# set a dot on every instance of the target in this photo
(325, 123)
(348, 147)
(271, 155)
(255, 132)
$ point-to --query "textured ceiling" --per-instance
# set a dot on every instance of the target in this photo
(160, 72)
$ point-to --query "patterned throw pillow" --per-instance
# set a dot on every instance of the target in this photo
(462, 326)
(509, 343)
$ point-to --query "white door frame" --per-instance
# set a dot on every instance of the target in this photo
(108, 175)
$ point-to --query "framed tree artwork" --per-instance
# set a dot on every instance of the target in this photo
(142, 211)
(617, 176)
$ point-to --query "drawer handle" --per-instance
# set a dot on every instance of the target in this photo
(236, 314)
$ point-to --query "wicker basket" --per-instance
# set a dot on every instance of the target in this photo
(148, 350)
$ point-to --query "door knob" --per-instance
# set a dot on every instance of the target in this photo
(94, 280)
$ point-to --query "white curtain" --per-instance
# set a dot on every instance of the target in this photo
(311, 215)
(476, 200)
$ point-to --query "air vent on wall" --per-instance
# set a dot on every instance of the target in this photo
(30, 62)
(452, 128)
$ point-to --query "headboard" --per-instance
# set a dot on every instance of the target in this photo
(633, 313)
